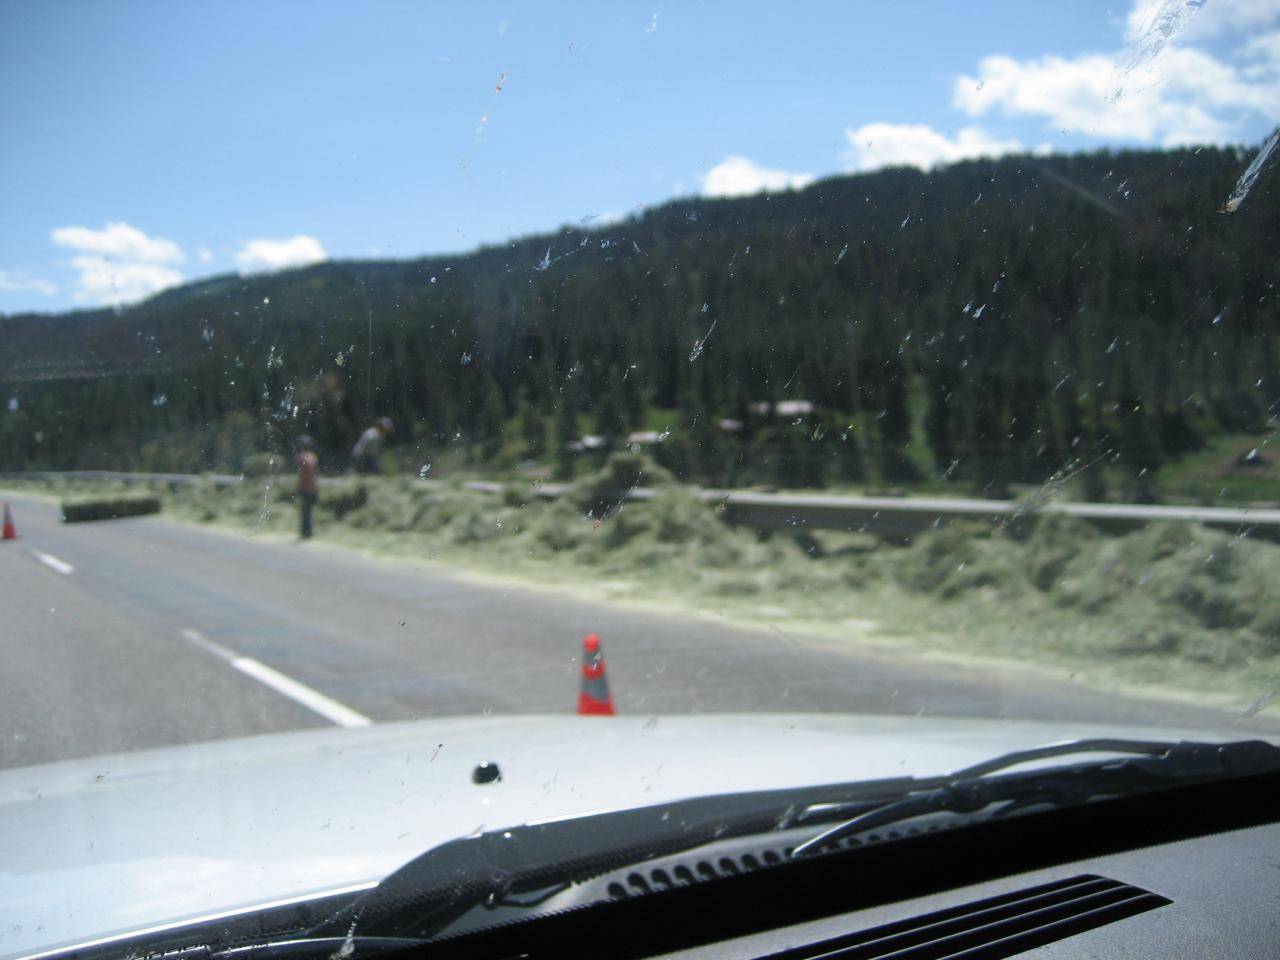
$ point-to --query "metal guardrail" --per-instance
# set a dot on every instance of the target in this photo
(890, 517)
(907, 515)
(903, 517)
(173, 479)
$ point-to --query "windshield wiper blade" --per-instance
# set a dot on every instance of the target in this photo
(534, 861)
(524, 865)
(1157, 766)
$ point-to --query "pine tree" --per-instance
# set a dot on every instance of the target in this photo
(610, 421)
(491, 422)
(633, 398)
(1139, 446)
(852, 463)
(533, 428)
(941, 416)
(566, 434)
(989, 435)
(895, 424)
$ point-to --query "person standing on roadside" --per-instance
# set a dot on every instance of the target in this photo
(365, 452)
(308, 483)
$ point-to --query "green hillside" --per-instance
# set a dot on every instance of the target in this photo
(992, 322)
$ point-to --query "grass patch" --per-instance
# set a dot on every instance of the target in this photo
(1224, 472)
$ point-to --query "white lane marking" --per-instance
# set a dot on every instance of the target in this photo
(204, 643)
(53, 563)
(327, 707)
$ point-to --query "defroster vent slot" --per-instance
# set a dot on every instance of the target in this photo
(1001, 926)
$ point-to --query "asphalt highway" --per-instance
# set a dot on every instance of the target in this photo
(128, 634)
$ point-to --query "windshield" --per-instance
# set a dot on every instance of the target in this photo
(399, 397)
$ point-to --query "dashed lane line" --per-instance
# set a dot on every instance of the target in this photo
(53, 563)
(300, 693)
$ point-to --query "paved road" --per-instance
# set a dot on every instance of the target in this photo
(135, 633)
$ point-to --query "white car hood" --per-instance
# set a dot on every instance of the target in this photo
(94, 848)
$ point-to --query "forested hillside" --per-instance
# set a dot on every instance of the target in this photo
(991, 322)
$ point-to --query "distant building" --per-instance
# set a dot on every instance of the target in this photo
(589, 442)
(794, 408)
(644, 438)
(784, 408)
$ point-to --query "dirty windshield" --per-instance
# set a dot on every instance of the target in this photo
(392, 370)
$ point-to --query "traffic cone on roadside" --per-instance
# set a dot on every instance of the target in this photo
(594, 698)
(10, 533)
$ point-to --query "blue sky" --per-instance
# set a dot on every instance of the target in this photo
(148, 143)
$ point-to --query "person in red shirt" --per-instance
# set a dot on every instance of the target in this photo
(308, 482)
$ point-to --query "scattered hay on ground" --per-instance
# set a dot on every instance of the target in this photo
(1170, 604)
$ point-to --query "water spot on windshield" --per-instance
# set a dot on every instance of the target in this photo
(348, 948)
(700, 345)
(1261, 702)
(1162, 22)
(1252, 173)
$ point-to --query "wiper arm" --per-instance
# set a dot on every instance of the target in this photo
(523, 865)
(1159, 766)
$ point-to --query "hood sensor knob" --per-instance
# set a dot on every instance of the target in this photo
(486, 771)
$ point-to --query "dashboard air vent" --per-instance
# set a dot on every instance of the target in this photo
(990, 929)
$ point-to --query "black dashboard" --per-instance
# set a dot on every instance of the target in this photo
(1205, 897)
(1186, 873)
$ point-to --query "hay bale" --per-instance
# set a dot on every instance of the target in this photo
(108, 508)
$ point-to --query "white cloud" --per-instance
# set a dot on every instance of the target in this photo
(204, 255)
(21, 283)
(1184, 95)
(119, 241)
(1156, 90)
(268, 254)
(119, 263)
(876, 145)
(739, 177)
(115, 282)
(1197, 21)
(1264, 50)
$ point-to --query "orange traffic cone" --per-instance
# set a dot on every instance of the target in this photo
(593, 698)
(10, 533)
